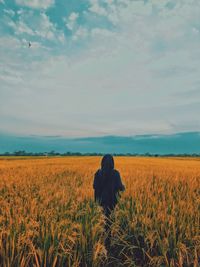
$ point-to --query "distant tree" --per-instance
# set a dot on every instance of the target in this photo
(20, 153)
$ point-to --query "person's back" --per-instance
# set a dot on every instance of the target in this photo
(107, 184)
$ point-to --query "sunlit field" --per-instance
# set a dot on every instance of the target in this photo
(48, 216)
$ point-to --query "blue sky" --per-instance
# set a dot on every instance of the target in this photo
(99, 67)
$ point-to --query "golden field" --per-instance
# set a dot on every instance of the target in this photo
(48, 216)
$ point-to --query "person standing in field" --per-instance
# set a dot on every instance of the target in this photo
(107, 185)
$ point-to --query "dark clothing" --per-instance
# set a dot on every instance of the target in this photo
(107, 184)
(106, 188)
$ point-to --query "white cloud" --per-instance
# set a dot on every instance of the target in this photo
(195, 30)
(73, 16)
(61, 37)
(97, 8)
(9, 43)
(21, 11)
(44, 27)
(80, 33)
(9, 12)
(140, 77)
(36, 3)
(20, 27)
(98, 32)
(71, 21)
(37, 25)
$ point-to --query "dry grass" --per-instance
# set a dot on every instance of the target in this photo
(48, 217)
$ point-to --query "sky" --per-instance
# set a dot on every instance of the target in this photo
(99, 67)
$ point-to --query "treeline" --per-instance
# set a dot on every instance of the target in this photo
(53, 153)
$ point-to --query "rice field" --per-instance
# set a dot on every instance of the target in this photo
(48, 216)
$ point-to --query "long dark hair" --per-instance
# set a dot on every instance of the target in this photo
(107, 165)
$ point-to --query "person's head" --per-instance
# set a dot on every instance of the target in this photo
(107, 163)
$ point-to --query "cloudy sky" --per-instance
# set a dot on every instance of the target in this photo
(99, 67)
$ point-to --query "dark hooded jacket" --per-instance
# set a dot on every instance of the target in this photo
(107, 183)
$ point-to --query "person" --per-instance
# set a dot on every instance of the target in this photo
(107, 185)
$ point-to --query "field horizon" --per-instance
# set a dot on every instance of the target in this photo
(49, 217)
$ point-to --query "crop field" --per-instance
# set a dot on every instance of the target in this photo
(48, 216)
